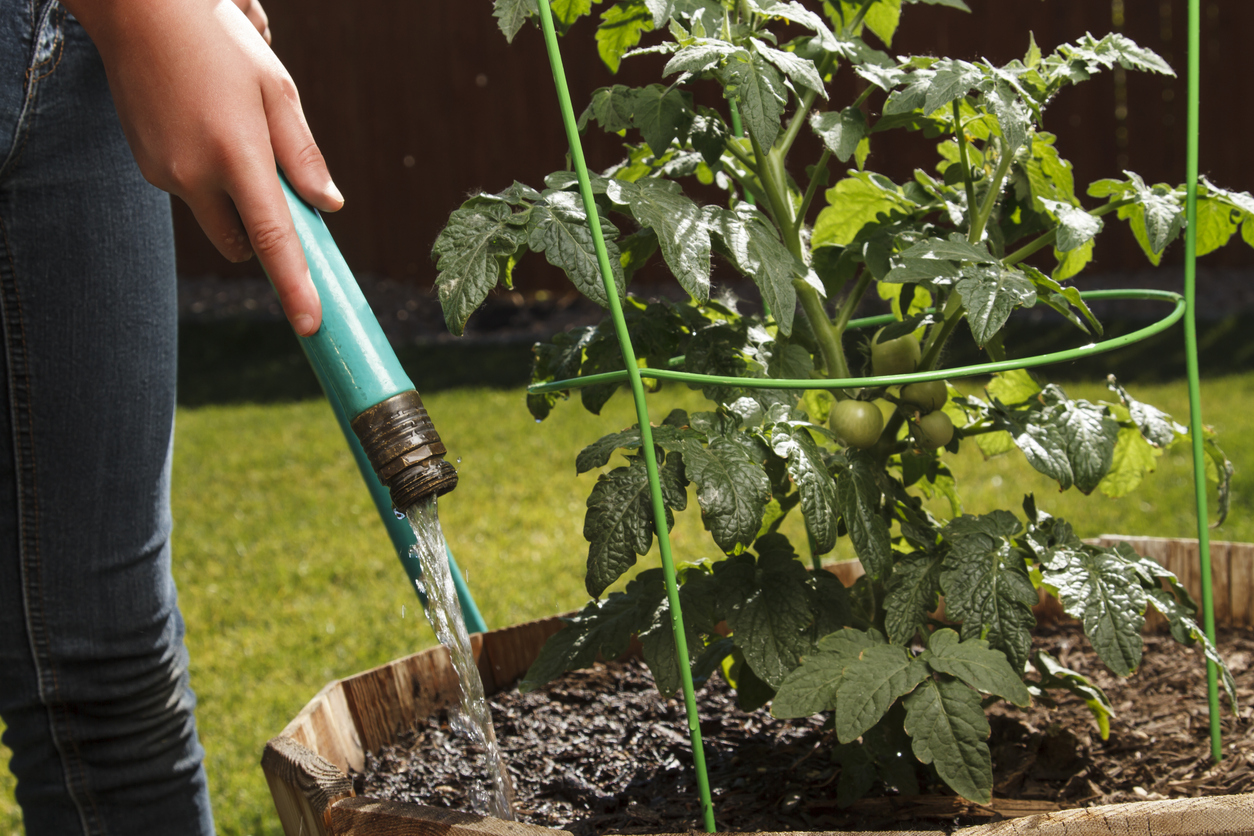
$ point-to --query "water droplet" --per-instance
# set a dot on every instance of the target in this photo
(399, 515)
(459, 459)
(402, 610)
(538, 421)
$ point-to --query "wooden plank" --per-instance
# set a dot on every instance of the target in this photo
(510, 651)
(1226, 815)
(364, 816)
(303, 785)
(1221, 580)
(431, 684)
(325, 726)
(1241, 583)
(375, 704)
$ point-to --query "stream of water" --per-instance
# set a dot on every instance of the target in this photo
(471, 717)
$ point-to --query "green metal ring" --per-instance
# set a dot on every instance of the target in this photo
(914, 377)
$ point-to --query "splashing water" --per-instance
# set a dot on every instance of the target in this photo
(472, 717)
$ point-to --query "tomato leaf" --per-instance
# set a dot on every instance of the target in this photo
(948, 729)
(770, 621)
(1075, 226)
(559, 229)
(912, 595)
(602, 628)
(858, 497)
(800, 70)
(841, 131)
(812, 686)
(818, 488)
(682, 230)
(756, 251)
(469, 251)
(854, 203)
(990, 295)
(621, 27)
(732, 490)
(1056, 676)
(870, 683)
(1133, 458)
(986, 584)
(661, 114)
(619, 522)
(975, 663)
(1099, 587)
(512, 14)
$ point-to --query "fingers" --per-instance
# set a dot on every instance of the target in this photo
(221, 223)
(256, 16)
(263, 210)
(295, 149)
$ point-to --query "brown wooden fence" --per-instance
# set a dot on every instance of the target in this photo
(417, 102)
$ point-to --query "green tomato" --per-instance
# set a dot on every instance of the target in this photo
(934, 430)
(856, 423)
(928, 396)
(899, 356)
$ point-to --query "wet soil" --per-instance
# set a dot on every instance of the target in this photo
(600, 751)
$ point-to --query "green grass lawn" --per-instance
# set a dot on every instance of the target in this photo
(288, 579)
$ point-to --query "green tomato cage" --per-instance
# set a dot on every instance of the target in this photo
(1182, 307)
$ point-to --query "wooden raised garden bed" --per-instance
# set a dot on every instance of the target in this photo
(307, 765)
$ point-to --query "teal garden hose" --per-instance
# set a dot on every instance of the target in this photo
(396, 447)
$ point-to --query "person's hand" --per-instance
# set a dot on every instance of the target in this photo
(208, 109)
(256, 16)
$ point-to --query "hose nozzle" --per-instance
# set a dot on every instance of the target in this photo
(405, 450)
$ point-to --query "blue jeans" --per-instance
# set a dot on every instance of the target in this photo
(93, 671)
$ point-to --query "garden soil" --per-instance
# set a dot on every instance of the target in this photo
(600, 751)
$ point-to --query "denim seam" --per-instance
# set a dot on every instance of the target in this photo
(58, 48)
(22, 128)
(30, 565)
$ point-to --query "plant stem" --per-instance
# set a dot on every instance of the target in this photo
(887, 443)
(785, 141)
(741, 157)
(811, 189)
(850, 304)
(775, 183)
(858, 18)
(1050, 237)
(768, 171)
(961, 132)
(829, 339)
(994, 191)
(938, 336)
(1033, 246)
(753, 190)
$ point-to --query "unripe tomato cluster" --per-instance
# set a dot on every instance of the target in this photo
(860, 423)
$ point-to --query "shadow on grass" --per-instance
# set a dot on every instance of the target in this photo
(261, 362)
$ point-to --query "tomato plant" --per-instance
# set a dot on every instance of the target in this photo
(998, 225)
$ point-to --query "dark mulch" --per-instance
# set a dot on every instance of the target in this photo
(600, 751)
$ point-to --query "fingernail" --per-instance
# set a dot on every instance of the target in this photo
(334, 193)
(304, 324)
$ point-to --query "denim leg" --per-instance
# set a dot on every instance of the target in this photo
(93, 671)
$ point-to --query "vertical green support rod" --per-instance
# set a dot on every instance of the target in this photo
(642, 411)
(1190, 347)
